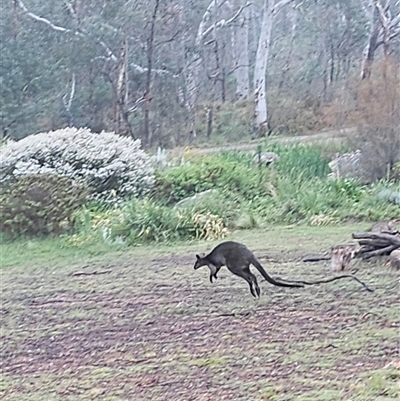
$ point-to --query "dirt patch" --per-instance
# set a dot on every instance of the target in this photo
(159, 330)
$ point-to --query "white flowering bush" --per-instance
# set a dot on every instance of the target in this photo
(111, 166)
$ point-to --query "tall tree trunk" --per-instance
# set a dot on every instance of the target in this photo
(240, 45)
(260, 102)
(369, 50)
(195, 59)
(120, 98)
(147, 94)
(260, 69)
(193, 68)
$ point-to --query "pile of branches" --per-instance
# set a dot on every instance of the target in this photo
(376, 243)
(383, 239)
(380, 241)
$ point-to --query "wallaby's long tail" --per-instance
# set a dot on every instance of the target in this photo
(330, 280)
(258, 266)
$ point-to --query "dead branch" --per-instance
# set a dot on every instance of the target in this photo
(378, 236)
(93, 273)
(328, 280)
(315, 258)
(79, 32)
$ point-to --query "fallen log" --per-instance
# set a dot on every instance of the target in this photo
(376, 244)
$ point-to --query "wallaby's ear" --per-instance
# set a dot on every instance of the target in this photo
(198, 257)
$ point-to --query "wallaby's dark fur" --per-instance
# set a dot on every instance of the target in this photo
(238, 258)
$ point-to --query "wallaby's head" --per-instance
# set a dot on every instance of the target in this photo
(201, 260)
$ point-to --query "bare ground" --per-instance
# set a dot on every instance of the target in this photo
(154, 329)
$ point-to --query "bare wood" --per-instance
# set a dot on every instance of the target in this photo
(393, 239)
(374, 243)
(377, 252)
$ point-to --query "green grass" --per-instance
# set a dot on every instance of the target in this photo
(153, 328)
(44, 252)
(28, 252)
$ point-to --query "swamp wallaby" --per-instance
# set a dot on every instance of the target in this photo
(238, 258)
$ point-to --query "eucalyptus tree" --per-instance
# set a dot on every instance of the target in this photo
(383, 22)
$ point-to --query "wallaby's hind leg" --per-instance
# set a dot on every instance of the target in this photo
(250, 278)
(255, 283)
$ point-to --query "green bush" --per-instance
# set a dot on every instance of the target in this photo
(324, 200)
(215, 202)
(143, 221)
(40, 205)
(147, 221)
(233, 178)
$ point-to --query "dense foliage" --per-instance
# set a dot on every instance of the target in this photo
(143, 221)
(40, 205)
(294, 189)
(206, 196)
(85, 63)
(113, 167)
(209, 172)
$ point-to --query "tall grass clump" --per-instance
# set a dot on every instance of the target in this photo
(300, 161)
(145, 221)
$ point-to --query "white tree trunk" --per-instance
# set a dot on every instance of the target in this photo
(240, 45)
(260, 102)
(260, 68)
(194, 65)
(383, 28)
(195, 62)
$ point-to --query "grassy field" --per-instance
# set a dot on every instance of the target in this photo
(149, 327)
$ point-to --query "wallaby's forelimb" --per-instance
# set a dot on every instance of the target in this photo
(328, 280)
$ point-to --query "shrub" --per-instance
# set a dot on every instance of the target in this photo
(110, 165)
(143, 221)
(148, 221)
(215, 202)
(323, 201)
(295, 116)
(40, 205)
(211, 172)
(374, 108)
